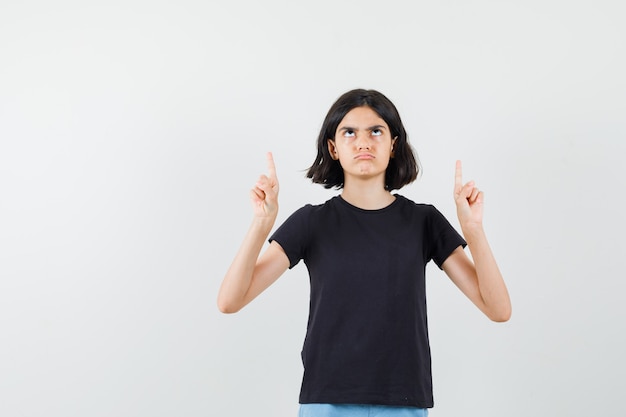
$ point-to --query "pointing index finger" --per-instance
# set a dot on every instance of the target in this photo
(458, 176)
(271, 167)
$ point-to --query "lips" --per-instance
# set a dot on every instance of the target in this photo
(364, 155)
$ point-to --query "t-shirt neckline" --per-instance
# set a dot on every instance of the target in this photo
(373, 211)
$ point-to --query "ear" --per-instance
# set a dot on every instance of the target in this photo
(332, 149)
(393, 147)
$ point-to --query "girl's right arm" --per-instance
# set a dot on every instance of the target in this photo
(250, 274)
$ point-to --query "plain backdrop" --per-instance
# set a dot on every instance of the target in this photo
(131, 132)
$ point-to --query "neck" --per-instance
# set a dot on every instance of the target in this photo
(366, 195)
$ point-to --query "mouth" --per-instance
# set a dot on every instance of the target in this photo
(364, 155)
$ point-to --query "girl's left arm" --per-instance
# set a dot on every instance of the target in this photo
(480, 280)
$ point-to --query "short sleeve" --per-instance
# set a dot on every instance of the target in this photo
(443, 238)
(293, 235)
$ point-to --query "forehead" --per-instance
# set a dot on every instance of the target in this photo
(362, 117)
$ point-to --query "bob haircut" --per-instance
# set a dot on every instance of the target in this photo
(403, 166)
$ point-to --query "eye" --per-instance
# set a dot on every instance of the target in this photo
(348, 133)
(377, 132)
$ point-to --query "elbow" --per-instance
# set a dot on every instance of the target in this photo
(500, 316)
(500, 319)
(227, 307)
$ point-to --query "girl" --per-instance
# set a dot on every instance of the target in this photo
(366, 350)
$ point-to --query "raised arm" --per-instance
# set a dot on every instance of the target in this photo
(480, 280)
(250, 274)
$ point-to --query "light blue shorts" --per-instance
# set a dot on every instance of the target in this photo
(358, 410)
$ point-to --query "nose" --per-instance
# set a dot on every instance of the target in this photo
(362, 141)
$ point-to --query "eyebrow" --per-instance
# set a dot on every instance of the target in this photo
(375, 127)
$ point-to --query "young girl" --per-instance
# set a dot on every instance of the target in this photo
(366, 350)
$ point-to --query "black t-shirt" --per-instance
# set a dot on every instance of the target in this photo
(367, 334)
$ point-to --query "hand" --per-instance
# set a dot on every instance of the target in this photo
(264, 195)
(469, 201)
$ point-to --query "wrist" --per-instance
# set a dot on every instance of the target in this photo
(472, 230)
(263, 223)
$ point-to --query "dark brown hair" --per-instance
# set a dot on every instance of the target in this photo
(403, 167)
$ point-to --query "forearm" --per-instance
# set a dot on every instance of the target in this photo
(238, 278)
(491, 284)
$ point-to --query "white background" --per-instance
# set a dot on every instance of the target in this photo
(132, 131)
